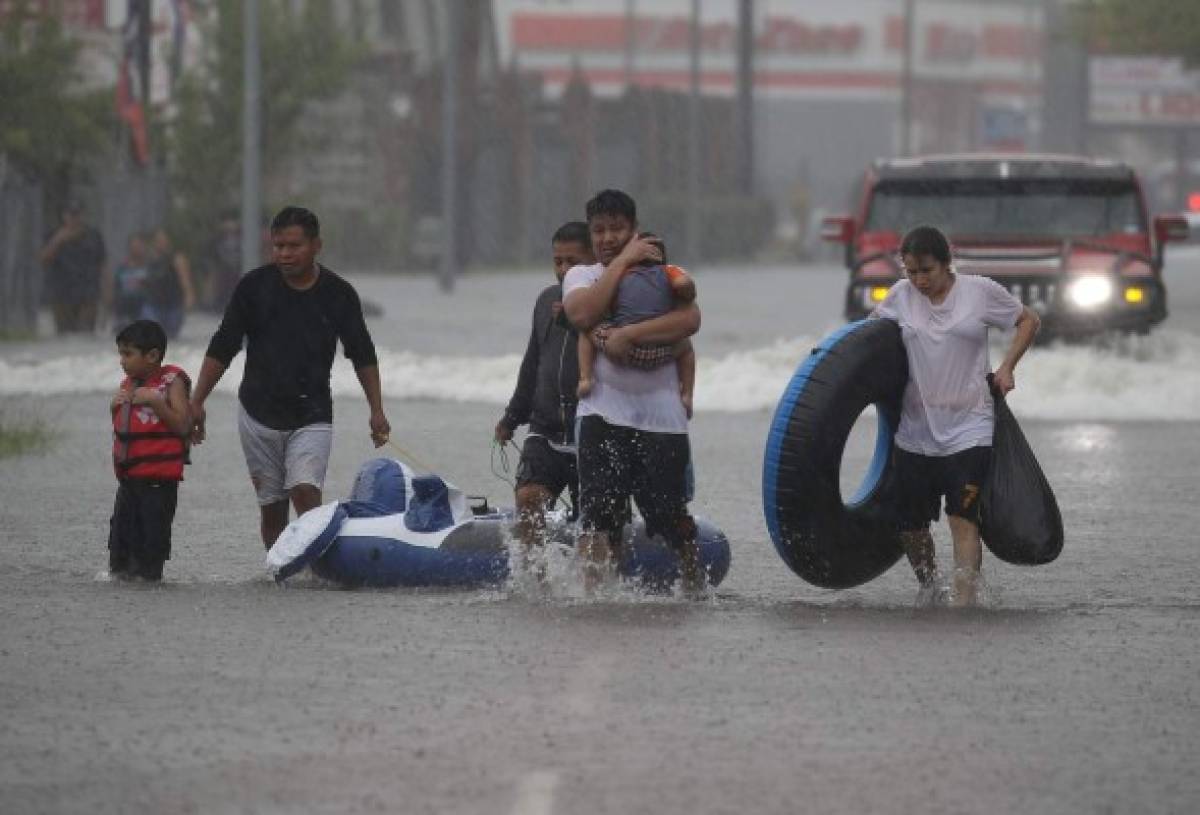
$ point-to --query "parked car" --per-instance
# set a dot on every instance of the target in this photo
(1068, 235)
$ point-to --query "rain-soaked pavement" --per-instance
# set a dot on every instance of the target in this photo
(1075, 688)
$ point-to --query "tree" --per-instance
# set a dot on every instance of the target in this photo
(305, 56)
(1162, 27)
(50, 129)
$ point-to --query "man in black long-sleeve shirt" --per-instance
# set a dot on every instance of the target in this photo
(291, 314)
(545, 395)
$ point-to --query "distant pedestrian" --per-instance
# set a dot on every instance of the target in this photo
(225, 259)
(73, 259)
(170, 292)
(150, 428)
(290, 314)
(126, 293)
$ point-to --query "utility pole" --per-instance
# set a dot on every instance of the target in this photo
(143, 58)
(745, 97)
(1066, 85)
(251, 138)
(1032, 96)
(142, 9)
(693, 141)
(450, 92)
(906, 78)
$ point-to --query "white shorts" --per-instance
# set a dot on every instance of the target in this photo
(280, 459)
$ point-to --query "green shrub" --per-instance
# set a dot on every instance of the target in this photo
(19, 435)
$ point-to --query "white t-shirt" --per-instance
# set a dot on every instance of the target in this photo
(630, 397)
(947, 406)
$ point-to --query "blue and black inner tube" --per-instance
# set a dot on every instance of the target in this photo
(827, 540)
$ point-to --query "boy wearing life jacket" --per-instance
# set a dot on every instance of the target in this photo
(151, 422)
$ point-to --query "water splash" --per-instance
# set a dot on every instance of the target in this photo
(1154, 378)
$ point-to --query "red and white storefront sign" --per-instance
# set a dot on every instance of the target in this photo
(810, 48)
(1143, 91)
(78, 14)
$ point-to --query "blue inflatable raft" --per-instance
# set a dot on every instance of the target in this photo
(401, 529)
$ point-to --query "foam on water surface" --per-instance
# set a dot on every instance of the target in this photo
(1155, 378)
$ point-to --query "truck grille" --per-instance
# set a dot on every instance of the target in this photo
(1032, 292)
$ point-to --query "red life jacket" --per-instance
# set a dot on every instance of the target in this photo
(143, 446)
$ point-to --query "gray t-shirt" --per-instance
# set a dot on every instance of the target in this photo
(643, 293)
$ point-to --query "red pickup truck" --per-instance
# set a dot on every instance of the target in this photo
(1068, 235)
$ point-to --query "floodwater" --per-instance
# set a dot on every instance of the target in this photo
(1075, 688)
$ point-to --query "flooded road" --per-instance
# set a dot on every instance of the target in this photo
(1074, 689)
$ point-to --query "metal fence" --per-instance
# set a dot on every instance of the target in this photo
(20, 231)
(118, 201)
(126, 200)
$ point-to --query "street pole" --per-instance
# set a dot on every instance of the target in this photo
(1033, 91)
(450, 93)
(745, 97)
(251, 139)
(142, 9)
(693, 142)
(1066, 83)
(906, 79)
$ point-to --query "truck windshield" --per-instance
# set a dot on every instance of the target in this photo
(1008, 207)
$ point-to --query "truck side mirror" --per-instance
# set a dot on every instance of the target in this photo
(1168, 228)
(837, 229)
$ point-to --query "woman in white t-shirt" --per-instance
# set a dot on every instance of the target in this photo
(944, 442)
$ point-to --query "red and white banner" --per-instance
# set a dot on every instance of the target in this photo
(804, 48)
(82, 14)
(1143, 91)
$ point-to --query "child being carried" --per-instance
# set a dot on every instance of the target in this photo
(646, 291)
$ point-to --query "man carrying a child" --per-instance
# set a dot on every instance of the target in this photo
(633, 420)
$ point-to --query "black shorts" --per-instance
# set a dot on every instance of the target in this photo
(924, 480)
(617, 462)
(139, 534)
(546, 467)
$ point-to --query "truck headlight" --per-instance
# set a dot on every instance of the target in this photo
(1090, 291)
(873, 296)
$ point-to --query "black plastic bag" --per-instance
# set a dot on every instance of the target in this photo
(1019, 517)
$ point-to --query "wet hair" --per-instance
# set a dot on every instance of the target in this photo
(573, 232)
(657, 241)
(297, 216)
(145, 336)
(926, 241)
(612, 202)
